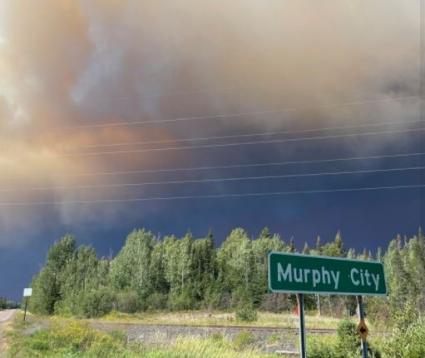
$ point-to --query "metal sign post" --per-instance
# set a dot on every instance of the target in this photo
(300, 300)
(26, 305)
(301, 274)
(27, 294)
(362, 328)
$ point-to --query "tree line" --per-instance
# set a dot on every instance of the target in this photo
(7, 304)
(187, 273)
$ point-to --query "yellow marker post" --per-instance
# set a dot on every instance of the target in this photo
(362, 329)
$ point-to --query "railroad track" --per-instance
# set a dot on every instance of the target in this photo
(265, 329)
(98, 324)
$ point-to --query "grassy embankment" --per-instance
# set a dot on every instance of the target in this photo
(74, 338)
(68, 337)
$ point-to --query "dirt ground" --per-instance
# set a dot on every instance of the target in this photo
(6, 317)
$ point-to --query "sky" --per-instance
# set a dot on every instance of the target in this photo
(302, 116)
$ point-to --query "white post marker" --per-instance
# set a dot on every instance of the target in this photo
(27, 294)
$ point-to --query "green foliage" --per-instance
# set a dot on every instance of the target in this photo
(127, 301)
(335, 248)
(45, 292)
(321, 348)
(407, 340)
(131, 267)
(243, 340)
(73, 282)
(70, 338)
(236, 261)
(348, 341)
(75, 339)
(405, 271)
(245, 312)
(7, 304)
(188, 273)
(47, 285)
(181, 300)
(345, 345)
(157, 301)
(96, 303)
(217, 337)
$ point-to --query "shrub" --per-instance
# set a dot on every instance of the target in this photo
(157, 301)
(348, 341)
(70, 338)
(40, 341)
(244, 340)
(246, 313)
(320, 348)
(96, 303)
(127, 301)
(212, 297)
(74, 335)
(346, 344)
(105, 346)
(181, 301)
(408, 342)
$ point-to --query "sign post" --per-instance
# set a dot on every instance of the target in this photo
(362, 328)
(300, 300)
(27, 294)
(300, 274)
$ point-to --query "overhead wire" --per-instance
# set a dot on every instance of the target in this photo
(224, 145)
(217, 180)
(214, 196)
(235, 166)
(248, 135)
(232, 115)
(242, 166)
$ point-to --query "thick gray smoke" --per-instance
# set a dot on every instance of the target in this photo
(65, 63)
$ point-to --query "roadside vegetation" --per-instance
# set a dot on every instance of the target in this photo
(190, 281)
(75, 338)
(72, 338)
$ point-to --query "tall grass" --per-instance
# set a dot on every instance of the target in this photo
(73, 338)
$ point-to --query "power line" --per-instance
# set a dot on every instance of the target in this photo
(223, 145)
(240, 166)
(257, 134)
(253, 165)
(218, 180)
(233, 115)
(213, 196)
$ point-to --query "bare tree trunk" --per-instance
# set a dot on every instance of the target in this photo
(319, 307)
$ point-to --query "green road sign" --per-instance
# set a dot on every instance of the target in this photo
(325, 275)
